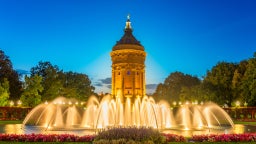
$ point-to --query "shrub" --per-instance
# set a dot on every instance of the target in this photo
(121, 141)
(118, 135)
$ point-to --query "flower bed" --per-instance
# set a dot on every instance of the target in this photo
(250, 137)
(174, 138)
(45, 138)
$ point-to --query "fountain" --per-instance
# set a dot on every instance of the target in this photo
(69, 114)
(125, 108)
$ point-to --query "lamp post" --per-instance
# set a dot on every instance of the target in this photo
(180, 103)
(11, 103)
(19, 103)
(237, 103)
(174, 103)
(245, 104)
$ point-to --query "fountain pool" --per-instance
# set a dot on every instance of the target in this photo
(67, 114)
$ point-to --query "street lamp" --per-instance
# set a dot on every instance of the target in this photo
(180, 102)
(11, 103)
(245, 104)
(19, 102)
(237, 103)
(174, 103)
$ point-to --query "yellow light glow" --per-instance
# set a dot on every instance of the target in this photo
(11, 103)
(19, 103)
(237, 103)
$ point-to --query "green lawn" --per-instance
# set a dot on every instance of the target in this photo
(11, 122)
(245, 123)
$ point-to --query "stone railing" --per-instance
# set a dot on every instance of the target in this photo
(13, 113)
(242, 113)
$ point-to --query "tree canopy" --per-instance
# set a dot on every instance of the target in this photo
(220, 80)
(4, 92)
(224, 84)
(31, 97)
(171, 88)
(7, 72)
(58, 83)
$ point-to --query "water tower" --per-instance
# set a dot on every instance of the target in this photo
(128, 66)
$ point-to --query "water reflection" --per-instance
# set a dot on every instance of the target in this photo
(19, 129)
(11, 129)
(189, 133)
(239, 129)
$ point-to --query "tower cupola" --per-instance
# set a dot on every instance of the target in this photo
(128, 38)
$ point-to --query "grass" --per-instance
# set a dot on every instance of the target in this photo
(245, 122)
(10, 122)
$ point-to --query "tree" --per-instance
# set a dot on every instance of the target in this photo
(173, 85)
(248, 86)
(6, 71)
(31, 97)
(4, 93)
(219, 80)
(237, 82)
(200, 93)
(58, 83)
(160, 92)
(50, 79)
(44, 69)
(76, 85)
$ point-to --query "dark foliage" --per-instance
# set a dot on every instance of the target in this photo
(7, 71)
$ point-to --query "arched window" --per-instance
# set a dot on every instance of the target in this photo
(128, 72)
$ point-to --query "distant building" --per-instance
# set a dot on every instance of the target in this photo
(128, 66)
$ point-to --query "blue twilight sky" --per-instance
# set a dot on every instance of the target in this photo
(190, 36)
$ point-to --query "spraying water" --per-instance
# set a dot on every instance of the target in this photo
(68, 114)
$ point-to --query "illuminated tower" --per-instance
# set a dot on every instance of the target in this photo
(128, 66)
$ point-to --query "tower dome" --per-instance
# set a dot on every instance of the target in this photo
(128, 39)
(128, 66)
